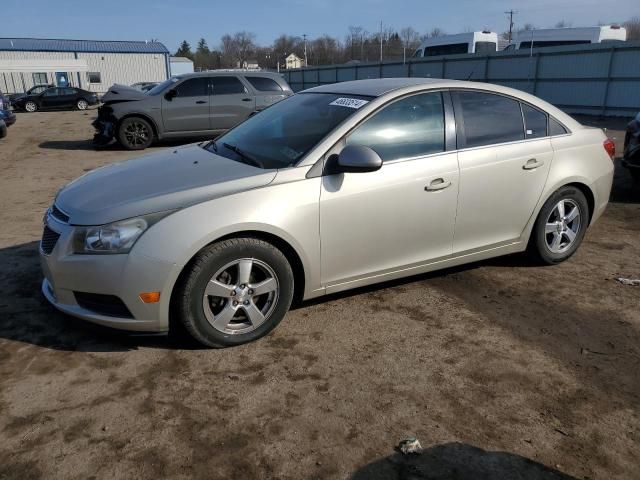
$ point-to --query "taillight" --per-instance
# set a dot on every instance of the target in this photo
(610, 147)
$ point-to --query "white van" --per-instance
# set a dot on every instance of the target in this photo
(553, 37)
(472, 42)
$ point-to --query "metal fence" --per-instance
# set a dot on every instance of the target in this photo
(602, 79)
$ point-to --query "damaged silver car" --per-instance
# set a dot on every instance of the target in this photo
(192, 105)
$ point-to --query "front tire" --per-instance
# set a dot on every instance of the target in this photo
(82, 104)
(30, 106)
(135, 133)
(560, 227)
(234, 292)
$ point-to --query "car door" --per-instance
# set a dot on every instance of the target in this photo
(68, 98)
(503, 169)
(185, 107)
(231, 102)
(402, 215)
(50, 98)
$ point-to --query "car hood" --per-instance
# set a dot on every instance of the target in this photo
(123, 93)
(173, 179)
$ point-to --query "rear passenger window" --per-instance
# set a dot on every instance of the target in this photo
(535, 122)
(556, 128)
(263, 84)
(193, 87)
(489, 119)
(411, 127)
(227, 85)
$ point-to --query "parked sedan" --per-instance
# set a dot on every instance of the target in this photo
(337, 187)
(57, 98)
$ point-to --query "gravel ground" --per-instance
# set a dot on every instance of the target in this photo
(500, 368)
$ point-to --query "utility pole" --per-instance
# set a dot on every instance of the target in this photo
(511, 13)
(304, 35)
(380, 41)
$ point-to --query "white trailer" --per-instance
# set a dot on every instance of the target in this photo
(472, 42)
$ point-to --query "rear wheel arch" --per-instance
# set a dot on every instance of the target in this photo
(588, 193)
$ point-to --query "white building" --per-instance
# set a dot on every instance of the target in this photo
(88, 64)
(180, 65)
(293, 61)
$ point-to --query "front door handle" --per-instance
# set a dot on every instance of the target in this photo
(437, 184)
(532, 164)
(246, 99)
(200, 102)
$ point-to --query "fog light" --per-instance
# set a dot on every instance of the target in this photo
(150, 297)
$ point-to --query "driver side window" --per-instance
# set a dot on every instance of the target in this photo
(411, 127)
(193, 87)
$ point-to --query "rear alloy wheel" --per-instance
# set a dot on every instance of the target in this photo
(30, 106)
(561, 226)
(235, 291)
(135, 133)
(82, 104)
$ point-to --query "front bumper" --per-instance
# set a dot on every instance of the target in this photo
(9, 117)
(121, 276)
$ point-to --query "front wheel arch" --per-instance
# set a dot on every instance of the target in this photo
(285, 247)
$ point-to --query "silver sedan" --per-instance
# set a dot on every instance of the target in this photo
(336, 187)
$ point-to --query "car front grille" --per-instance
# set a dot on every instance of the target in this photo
(108, 305)
(59, 214)
(49, 240)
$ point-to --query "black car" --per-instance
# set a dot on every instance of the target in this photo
(57, 98)
(7, 117)
(14, 97)
(631, 157)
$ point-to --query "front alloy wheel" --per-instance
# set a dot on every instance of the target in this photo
(234, 291)
(135, 133)
(82, 104)
(30, 106)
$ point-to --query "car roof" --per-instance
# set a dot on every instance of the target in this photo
(221, 73)
(379, 87)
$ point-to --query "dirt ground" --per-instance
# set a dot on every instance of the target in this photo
(503, 370)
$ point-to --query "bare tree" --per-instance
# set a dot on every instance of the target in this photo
(527, 27)
(410, 40)
(437, 32)
(633, 28)
(237, 49)
(563, 24)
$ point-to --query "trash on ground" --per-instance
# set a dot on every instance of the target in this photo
(410, 445)
(633, 282)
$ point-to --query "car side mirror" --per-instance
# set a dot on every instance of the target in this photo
(171, 94)
(356, 159)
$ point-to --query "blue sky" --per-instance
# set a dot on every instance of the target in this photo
(172, 21)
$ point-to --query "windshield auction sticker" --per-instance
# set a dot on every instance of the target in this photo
(349, 102)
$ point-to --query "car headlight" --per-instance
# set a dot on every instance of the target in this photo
(116, 237)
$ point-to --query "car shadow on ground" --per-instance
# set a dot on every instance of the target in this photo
(457, 461)
(113, 146)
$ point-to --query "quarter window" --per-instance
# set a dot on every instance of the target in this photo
(193, 87)
(411, 127)
(263, 84)
(39, 78)
(535, 122)
(556, 128)
(488, 119)
(227, 85)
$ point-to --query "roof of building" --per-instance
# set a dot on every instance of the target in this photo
(180, 59)
(96, 46)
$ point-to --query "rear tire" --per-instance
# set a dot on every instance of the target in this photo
(560, 227)
(135, 133)
(235, 291)
(82, 104)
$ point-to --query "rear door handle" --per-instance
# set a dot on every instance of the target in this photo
(532, 164)
(437, 184)
(246, 99)
(200, 102)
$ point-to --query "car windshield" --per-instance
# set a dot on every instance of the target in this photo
(281, 135)
(162, 86)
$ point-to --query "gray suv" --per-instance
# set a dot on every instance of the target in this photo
(191, 105)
